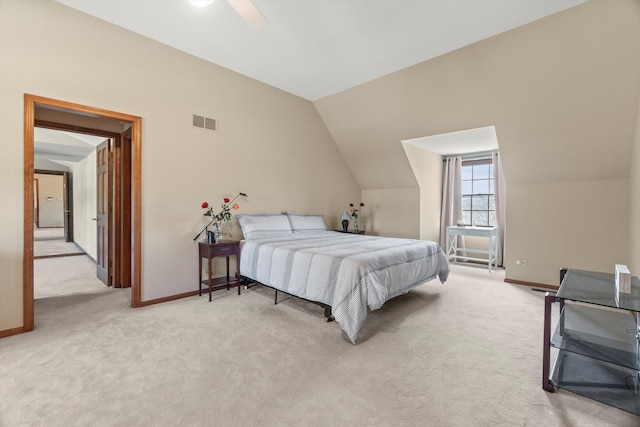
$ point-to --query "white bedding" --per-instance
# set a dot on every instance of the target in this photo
(351, 273)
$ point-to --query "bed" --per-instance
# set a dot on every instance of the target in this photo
(350, 273)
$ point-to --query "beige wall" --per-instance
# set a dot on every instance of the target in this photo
(270, 144)
(577, 224)
(562, 93)
(401, 221)
(85, 205)
(427, 168)
(634, 201)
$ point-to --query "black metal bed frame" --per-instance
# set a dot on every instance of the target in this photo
(327, 308)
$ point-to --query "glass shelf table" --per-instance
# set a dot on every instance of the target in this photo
(597, 340)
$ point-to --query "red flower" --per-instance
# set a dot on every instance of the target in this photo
(216, 219)
(225, 212)
(354, 211)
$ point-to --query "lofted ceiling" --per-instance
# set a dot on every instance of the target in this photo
(315, 48)
(64, 148)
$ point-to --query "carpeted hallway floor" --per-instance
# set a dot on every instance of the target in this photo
(466, 353)
(49, 242)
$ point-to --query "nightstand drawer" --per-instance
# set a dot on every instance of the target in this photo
(219, 249)
(223, 249)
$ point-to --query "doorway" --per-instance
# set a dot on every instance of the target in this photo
(53, 213)
(46, 112)
(50, 200)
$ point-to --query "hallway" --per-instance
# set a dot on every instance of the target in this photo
(65, 276)
(63, 273)
(49, 242)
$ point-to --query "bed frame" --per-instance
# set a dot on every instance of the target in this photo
(327, 308)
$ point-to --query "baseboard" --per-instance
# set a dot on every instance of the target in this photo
(175, 297)
(169, 298)
(15, 331)
(9, 332)
(532, 284)
(59, 255)
(471, 261)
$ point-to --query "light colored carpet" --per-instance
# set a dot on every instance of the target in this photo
(50, 242)
(48, 248)
(467, 353)
(48, 233)
(65, 277)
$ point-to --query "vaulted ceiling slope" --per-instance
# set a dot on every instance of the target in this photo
(315, 48)
(562, 93)
(64, 148)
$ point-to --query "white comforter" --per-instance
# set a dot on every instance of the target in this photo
(351, 273)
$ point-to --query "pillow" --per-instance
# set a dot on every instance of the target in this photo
(306, 223)
(255, 226)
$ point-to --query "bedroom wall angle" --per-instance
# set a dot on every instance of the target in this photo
(542, 85)
(273, 145)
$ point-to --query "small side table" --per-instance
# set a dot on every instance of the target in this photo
(226, 248)
(453, 250)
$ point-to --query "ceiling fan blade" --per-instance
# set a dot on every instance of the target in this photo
(249, 12)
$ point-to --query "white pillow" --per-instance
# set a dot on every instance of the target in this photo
(255, 226)
(306, 223)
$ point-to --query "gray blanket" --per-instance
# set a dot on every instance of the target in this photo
(351, 273)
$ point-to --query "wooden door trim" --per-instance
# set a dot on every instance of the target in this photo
(27, 256)
(122, 205)
(30, 102)
(73, 128)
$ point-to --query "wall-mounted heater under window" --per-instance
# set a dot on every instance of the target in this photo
(205, 122)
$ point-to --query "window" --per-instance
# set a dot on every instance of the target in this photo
(478, 199)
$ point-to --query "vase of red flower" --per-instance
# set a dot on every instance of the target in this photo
(217, 219)
(354, 213)
(214, 236)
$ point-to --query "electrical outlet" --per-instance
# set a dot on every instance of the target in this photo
(521, 261)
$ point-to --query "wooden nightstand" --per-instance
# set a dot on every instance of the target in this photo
(351, 231)
(226, 248)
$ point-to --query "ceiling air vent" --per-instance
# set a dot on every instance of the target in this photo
(204, 122)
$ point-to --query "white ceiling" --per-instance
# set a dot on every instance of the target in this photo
(64, 148)
(478, 140)
(315, 48)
